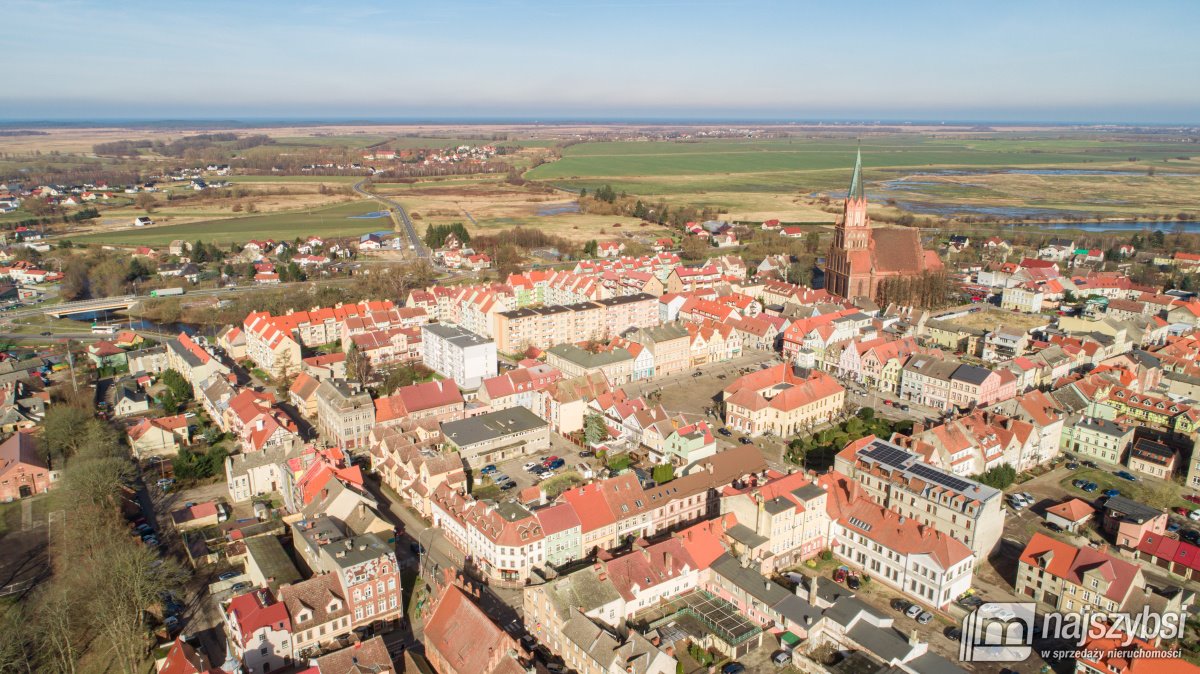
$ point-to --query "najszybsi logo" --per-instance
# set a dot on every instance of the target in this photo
(998, 632)
(1004, 631)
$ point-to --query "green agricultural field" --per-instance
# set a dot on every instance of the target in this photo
(329, 222)
(294, 179)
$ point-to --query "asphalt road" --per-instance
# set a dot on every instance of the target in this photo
(417, 244)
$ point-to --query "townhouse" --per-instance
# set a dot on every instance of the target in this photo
(897, 479)
(435, 401)
(669, 345)
(541, 327)
(505, 540)
(916, 559)
(258, 631)
(345, 413)
(782, 400)
(788, 512)
(1077, 580)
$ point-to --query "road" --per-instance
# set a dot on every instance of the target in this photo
(414, 240)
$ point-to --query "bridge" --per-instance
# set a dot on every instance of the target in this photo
(84, 306)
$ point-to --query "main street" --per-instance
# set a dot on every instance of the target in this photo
(405, 221)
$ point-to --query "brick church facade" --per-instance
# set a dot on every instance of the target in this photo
(861, 259)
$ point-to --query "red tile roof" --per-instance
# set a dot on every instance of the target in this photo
(1073, 510)
(459, 633)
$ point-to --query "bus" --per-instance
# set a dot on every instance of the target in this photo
(98, 329)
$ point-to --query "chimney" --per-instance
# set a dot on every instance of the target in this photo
(259, 424)
(912, 638)
(667, 559)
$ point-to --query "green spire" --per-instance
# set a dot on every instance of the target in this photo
(856, 185)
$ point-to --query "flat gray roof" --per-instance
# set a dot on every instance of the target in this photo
(491, 426)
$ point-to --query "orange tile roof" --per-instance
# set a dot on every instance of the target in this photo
(1073, 510)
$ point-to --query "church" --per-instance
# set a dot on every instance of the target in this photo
(861, 259)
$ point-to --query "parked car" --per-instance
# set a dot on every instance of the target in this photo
(744, 440)
(839, 575)
(781, 658)
(1053, 526)
(1088, 463)
(904, 408)
(1090, 487)
(1109, 493)
(1194, 515)
(508, 485)
(733, 668)
(549, 460)
(531, 465)
(239, 587)
(1126, 475)
(1071, 465)
(925, 617)
(724, 431)
(488, 469)
(229, 575)
(586, 453)
(852, 581)
(1183, 511)
(901, 605)
(953, 633)
(1028, 497)
(501, 478)
(1190, 535)
(1172, 527)
(1192, 498)
(913, 611)
(556, 464)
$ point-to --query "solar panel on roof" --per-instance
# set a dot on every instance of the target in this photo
(938, 477)
(887, 454)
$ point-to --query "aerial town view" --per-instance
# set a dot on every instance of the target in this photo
(600, 338)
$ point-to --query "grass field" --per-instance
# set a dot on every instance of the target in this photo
(333, 221)
(923, 174)
(989, 319)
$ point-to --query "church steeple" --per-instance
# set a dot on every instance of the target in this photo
(856, 186)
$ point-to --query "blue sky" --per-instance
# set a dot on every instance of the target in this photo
(966, 60)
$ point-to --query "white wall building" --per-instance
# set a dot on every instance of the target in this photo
(916, 559)
(460, 355)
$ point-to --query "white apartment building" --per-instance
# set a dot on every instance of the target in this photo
(916, 559)
(458, 354)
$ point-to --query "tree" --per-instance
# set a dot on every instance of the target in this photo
(590, 248)
(169, 402)
(75, 280)
(812, 241)
(663, 473)
(358, 366)
(1001, 477)
(595, 430)
(15, 647)
(61, 437)
(145, 201)
(178, 385)
(694, 249)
